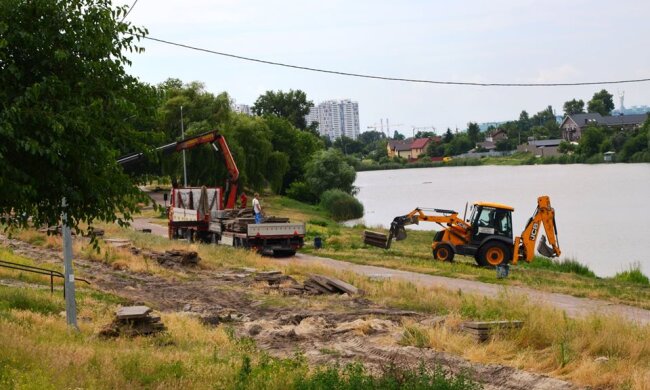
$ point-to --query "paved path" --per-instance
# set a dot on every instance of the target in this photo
(573, 306)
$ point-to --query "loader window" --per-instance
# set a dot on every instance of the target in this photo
(503, 223)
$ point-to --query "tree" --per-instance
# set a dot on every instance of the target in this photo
(398, 136)
(473, 132)
(328, 170)
(348, 145)
(591, 140)
(448, 136)
(574, 106)
(66, 100)
(292, 105)
(602, 103)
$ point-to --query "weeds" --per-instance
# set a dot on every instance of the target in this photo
(633, 275)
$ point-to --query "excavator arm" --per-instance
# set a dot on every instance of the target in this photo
(525, 244)
(397, 231)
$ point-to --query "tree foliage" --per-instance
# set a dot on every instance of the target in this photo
(329, 170)
(292, 105)
(573, 107)
(66, 103)
(602, 103)
(473, 132)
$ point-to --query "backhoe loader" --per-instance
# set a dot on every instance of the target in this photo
(486, 235)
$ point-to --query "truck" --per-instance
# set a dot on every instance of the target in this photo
(210, 214)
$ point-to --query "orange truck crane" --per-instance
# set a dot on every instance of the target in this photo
(486, 235)
(211, 215)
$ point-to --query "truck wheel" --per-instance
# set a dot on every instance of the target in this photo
(443, 253)
(492, 254)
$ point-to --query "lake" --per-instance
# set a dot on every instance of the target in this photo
(602, 211)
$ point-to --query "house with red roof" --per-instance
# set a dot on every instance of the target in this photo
(409, 148)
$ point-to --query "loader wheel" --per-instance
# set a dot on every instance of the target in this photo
(492, 254)
(443, 253)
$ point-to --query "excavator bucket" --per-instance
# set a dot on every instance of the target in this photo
(544, 249)
(379, 240)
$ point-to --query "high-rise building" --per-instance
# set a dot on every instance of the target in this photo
(336, 118)
(242, 108)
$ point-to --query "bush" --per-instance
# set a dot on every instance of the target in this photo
(633, 275)
(299, 190)
(341, 205)
(564, 265)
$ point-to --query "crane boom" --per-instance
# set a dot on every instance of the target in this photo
(211, 137)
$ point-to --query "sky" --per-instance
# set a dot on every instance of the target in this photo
(516, 41)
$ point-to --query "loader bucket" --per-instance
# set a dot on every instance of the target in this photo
(544, 249)
(379, 240)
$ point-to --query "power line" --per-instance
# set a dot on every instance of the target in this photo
(129, 11)
(387, 78)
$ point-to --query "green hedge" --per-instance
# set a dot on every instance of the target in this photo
(341, 205)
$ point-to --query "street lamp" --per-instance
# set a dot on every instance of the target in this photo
(183, 137)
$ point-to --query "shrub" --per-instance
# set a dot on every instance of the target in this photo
(341, 205)
(564, 265)
(299, 190)
(633, 275)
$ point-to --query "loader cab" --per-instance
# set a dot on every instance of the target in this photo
(489, 219)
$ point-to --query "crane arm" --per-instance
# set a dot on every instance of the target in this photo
(525, 244)
(211, 137)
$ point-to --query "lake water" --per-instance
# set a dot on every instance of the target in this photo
(602, 211)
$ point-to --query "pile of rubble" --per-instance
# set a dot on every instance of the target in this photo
(133, 321)
(170, 258)
(314, 285)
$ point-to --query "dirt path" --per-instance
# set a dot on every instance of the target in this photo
(573, 306)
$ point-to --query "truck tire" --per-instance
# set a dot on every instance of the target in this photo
(493, 253)
(443, 253)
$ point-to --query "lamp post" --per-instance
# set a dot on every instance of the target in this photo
(183, 137)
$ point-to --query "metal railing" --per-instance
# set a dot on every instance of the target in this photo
(39, 270)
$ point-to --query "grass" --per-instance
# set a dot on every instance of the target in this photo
(38, 351)
(633, 275)
(567, 276)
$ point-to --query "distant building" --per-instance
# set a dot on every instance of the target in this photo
(572, 125)
(543, 148)
(242, 108)
(336, 118)
(409, 148)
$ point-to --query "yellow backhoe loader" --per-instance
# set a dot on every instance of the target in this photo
(486, 235)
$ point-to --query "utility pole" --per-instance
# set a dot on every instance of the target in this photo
(68, 283)
(183, 137)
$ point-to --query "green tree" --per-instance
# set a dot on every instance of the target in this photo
(398, 136)
(574, 106)
(198, 106)
(297, 145)
(292, 105)
(590, 141)
(66, 100)
(523, 124)
(328, 170)
(448, 136)
(459, 145)
(348, 145)
(473, 132)
(602, 103)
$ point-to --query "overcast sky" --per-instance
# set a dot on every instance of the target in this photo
(517, 41)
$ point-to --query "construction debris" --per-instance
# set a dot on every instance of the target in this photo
(133, 321)
(483, 329)
(319, 284)
(170, 258)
